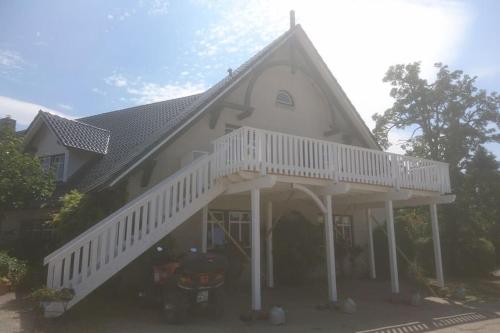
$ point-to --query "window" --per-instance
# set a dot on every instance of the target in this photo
(237, 223)
(55, 164)
(343, 229)
(284, 98)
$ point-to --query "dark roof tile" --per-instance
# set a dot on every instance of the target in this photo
(76, 134)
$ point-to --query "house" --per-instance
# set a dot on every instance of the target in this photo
(277, 125)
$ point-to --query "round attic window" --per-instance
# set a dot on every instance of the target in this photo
(284, 98)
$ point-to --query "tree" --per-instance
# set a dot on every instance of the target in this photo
(22, 179)
(449, 117)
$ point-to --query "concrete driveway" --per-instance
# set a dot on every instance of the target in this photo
(375, 314)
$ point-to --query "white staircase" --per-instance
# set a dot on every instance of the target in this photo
(90, 259)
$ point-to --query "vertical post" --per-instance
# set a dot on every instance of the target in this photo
(371, 254)
(204, 229)
(269, 244)
(330, 250)
(255, 203)
(437, 245)
(391, 237)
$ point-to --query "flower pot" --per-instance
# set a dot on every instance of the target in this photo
(53, 309)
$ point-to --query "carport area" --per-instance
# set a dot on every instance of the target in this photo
(105, 312)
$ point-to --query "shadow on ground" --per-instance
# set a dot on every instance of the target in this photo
(105, 312)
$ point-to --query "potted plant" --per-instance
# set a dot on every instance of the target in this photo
(54, 302)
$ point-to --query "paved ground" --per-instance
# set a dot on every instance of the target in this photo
(375, 314)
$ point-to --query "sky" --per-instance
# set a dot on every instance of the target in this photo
(78, 58)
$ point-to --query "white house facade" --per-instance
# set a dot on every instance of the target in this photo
(275, 135)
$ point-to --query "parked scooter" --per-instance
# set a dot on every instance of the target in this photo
(190, 282)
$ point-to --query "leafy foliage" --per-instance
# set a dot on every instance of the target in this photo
(450, 119)
(22, 179)
(50, 295)
(13, 269)
(80, 211)
(296, 246)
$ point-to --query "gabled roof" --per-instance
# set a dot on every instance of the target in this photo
(128, 148)
(132, 130)
(72, 133)
(138, 132)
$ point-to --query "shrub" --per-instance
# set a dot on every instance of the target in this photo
(478, 257)
(50, 295)
(79, 211)
(297, 248)
(12, 269)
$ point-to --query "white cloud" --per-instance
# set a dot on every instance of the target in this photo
(143, 92)
(24, 112)
(99, 91)
(158, 7)
(358, 40)
(116, 80)
(152, 92)
(10, 60)
(65, 106)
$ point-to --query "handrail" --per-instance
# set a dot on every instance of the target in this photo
(96, 227)
(266, 151)
(95, 255)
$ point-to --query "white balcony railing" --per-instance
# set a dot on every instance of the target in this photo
(264, 151)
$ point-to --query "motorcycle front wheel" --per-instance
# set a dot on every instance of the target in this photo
(175, 307)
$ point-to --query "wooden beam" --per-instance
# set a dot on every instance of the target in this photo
(374, 198)
(312, 195)
(333, 189)
(214, 116)
(257, 183)
(413, 202)
(236, 106)
(245, 114)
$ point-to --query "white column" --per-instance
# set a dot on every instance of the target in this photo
(371, 254)
(204, 229)
(330, 250)
(269, 245)
(391, 237)
(255, 203)
(437, 245)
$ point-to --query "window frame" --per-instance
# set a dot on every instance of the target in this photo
(48, 163)
(340, 228)
(229, 224)
(287, 104)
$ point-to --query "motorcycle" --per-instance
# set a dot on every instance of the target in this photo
(188, 283)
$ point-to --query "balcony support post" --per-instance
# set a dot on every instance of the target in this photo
(371, 254)
(437, 245)
(204, 228)
(330, 250)
(256, 290)
(391, 238)
(269, 245)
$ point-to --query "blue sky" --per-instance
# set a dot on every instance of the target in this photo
(78, 58)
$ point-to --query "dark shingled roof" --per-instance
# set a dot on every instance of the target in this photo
(135, 131)
(76, 134)
(132, 131)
